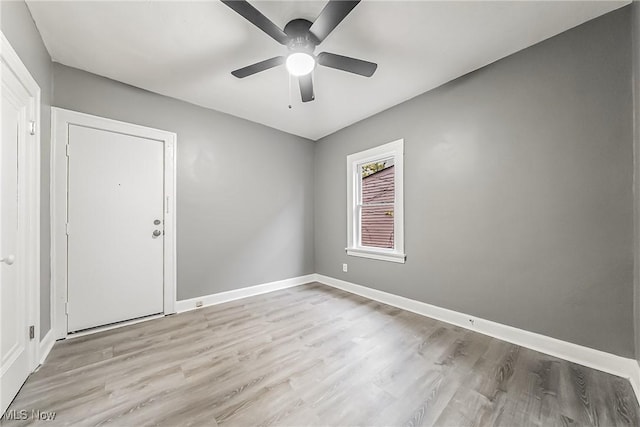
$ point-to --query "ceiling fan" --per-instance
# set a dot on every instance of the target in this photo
(301, 38)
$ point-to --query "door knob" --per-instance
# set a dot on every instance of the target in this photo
(157, 233)
(9, 259)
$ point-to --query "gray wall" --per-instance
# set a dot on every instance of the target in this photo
(21, 31)
(244, 191)
(636, 101)
(518, 191)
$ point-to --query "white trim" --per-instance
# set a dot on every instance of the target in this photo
(589, 357)
(46, 344)
(60, 120)
(29, 195)
(170, 224)
(235, 294)
(379, 255)
(393, 150)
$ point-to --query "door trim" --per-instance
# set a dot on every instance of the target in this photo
(60, 121)
(29, 195)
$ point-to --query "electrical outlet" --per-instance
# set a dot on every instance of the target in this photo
(198, 304)
(344, 267)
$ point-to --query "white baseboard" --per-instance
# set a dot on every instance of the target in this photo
(46, 344)
(222, 297)
(596, 359)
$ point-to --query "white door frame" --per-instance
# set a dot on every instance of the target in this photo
(60, 121)
(29, 200)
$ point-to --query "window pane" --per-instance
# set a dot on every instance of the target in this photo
(378, 182)
(376, 224)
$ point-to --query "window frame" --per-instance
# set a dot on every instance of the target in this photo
(394, 150)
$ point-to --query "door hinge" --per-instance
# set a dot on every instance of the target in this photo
(66, 228)
(32, 128)
(32, 332)
(67, 150)
(66, 308)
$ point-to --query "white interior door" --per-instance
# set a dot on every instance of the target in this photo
(115, 227)
(14, 335)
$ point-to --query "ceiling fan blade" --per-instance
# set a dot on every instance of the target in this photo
(306, 88)
(253, 15)
(332, 14)
(258, 66)
(346, 63)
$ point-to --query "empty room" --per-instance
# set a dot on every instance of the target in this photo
(320, 213)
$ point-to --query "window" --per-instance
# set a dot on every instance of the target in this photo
(375, 203)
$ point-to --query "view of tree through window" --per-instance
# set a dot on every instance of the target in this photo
(377, 204)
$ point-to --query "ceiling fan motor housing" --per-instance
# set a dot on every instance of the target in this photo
(300, 38)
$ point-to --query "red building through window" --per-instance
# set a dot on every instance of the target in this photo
(378, 196)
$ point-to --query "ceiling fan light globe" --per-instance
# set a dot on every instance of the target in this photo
(300, 64)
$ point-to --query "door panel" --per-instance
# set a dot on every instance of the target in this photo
(115, 263)
(14, 354)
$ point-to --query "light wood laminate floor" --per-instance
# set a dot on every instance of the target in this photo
(314, 355)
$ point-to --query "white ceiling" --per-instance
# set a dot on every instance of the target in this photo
(187, 50)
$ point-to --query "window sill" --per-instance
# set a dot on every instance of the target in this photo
(379, 255)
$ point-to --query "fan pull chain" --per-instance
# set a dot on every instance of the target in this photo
(289, 90)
